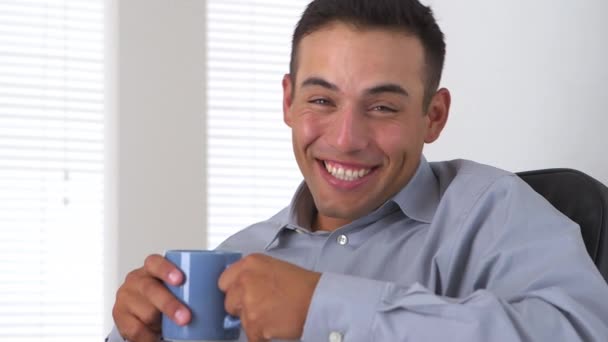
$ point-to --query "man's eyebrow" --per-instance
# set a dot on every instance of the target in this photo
(382, 88)
(387, 88)
(317, 81)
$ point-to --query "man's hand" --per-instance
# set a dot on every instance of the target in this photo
(142, 297)
(270, 296)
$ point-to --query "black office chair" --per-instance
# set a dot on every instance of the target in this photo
(584, 200)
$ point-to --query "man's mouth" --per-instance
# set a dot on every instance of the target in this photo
(345, 173)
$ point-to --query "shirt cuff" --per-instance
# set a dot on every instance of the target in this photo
(343, 306)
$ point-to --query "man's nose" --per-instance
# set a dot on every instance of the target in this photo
(349, 131)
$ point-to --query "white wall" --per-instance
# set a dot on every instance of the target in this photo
(159, 163)
(528, 81)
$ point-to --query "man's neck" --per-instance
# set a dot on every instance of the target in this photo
(326, 223)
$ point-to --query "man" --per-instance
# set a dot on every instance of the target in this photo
(378, 244)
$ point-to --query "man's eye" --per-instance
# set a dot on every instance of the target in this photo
(322, 102)
(384, 109)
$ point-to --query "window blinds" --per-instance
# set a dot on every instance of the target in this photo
(251, 172)
(51, 170)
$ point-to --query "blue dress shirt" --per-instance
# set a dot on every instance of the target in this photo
(464, 252)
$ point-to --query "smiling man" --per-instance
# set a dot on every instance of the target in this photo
(355, 104)
(378, 244)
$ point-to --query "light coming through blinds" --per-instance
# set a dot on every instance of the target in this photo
(251, 170)
(51, 170)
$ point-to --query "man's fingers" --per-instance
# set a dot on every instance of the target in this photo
(144, 311)
(253, 333)
(233, 300)
(163, 300)
(143, 297)
(229, 276)
(251, 262)
(161, 268)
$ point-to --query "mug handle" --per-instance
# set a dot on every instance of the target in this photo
(231, 322)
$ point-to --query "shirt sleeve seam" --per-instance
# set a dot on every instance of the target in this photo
(468, 211)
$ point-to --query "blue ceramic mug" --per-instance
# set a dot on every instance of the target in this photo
(201, 294)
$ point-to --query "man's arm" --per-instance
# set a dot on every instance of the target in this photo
(558, 295)
(518, 271)
(368, 310)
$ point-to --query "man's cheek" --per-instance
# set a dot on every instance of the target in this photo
(309, 130)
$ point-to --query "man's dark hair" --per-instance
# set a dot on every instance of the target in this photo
(409, 16)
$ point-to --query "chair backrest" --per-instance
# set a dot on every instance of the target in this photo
(584, 200)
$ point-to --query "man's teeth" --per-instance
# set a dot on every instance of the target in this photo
(345, 174)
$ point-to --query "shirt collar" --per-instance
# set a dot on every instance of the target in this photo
(298, 215)
(418, 200)
(301, 209)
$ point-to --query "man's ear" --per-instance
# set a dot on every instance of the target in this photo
(437, 114)
(287, 98)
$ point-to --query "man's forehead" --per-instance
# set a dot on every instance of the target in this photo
(322, 42)
(370, 61)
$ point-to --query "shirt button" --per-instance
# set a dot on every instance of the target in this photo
(335, 336)
(342, 240)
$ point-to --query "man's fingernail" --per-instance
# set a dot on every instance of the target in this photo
(174, 276)
(180, 316)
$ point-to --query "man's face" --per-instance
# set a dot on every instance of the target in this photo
(357, 119)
